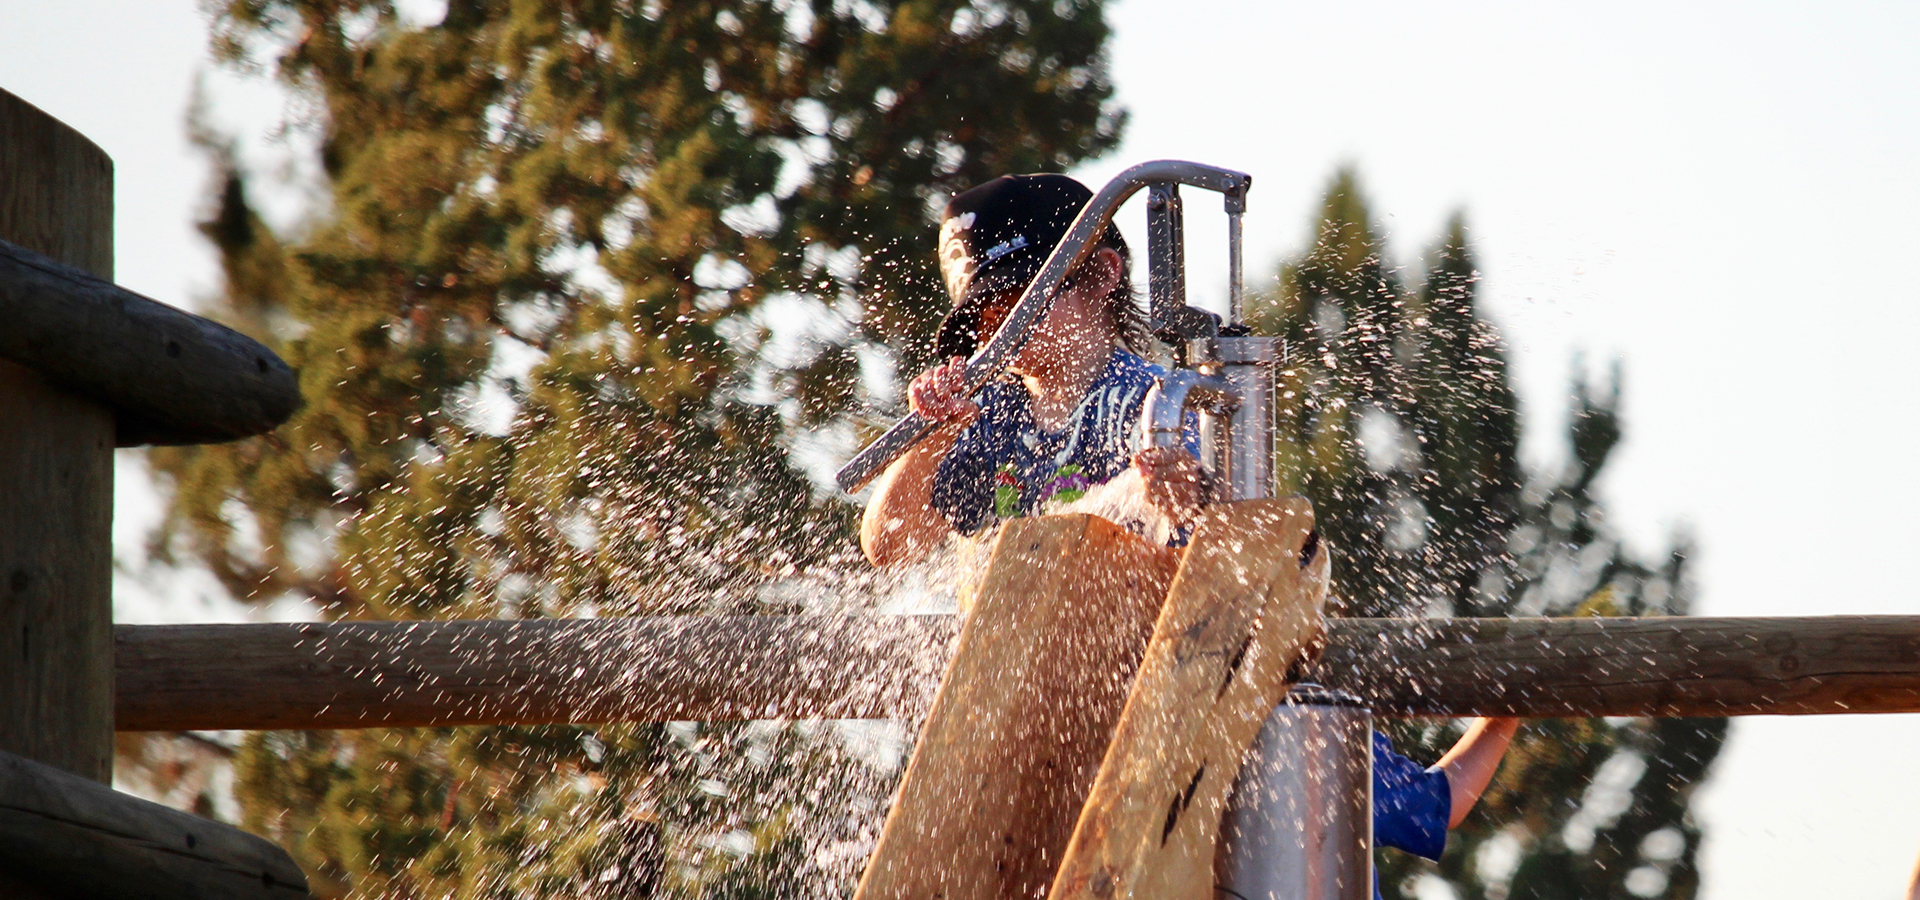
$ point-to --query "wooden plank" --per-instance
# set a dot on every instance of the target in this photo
(69, 837)
(1023, 715)
(367, 674)
(1245, 607)
(56, 471)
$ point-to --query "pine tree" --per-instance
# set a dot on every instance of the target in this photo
(594, 275)
(1398, 419)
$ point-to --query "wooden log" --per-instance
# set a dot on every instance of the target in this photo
(56, 189)
(56, 576)
(367, 674)
(1666, 666)
(65, 836)
(1245, 607)
(373, 674)
(169, 376)
(1024, 713)
(56, 472)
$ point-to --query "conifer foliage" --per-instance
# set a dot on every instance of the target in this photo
(1398, 419)
(591, 271)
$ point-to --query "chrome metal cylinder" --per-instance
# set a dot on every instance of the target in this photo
(1299, 823)
(1247, 364)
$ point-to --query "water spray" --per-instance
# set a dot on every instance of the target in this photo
(1298, 826)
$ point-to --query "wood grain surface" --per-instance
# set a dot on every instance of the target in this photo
(56, 471)
(1245, 606)
(1024, 713)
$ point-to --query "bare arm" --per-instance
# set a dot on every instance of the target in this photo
(900, 523)
(1913, 884)
(1473, 760)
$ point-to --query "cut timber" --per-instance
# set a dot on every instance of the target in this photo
(1245, 607)
(69, 837)
(1010, 747)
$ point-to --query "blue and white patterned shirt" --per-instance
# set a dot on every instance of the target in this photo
(1003, 466)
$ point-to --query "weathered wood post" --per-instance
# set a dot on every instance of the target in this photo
(56, 471)
(86, 366)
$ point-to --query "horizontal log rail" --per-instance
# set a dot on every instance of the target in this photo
(372, 674)
(170, 377)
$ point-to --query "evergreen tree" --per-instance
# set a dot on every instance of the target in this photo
(1398, 419)
(592, 271)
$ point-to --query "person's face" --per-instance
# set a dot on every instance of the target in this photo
(1080, 300)
(1072, 323)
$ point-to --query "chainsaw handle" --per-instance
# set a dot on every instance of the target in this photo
(992, 359)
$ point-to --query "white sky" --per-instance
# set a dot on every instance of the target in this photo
(1722, 195)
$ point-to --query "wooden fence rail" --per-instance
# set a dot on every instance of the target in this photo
(370, 674)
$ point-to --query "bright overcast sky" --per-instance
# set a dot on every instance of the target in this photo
(1721, 195)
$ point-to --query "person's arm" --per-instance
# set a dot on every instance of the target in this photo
(1473, 760)
(1913, 883)
(900, 523)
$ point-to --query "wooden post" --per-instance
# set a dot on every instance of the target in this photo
(1024, 713)
(56, 472)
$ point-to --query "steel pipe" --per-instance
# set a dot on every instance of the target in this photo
(994, 357)
(1298, 824)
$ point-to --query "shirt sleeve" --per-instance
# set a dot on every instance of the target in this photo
(962, 488)
(1411, 804)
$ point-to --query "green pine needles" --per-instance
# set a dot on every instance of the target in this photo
(1397, 417)
(594, 276)
(602, 291)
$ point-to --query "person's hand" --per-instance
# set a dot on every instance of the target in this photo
(1173, 481)
(940, 394)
